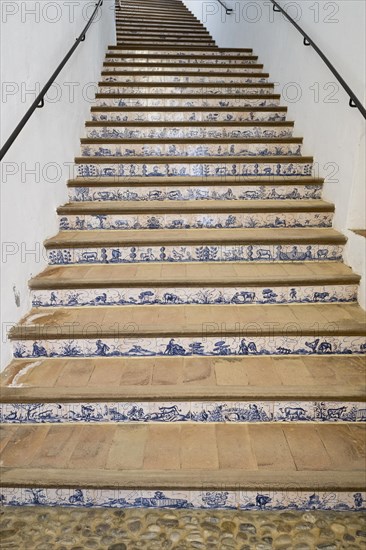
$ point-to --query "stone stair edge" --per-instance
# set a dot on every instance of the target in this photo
(326, 480)
(196, 160)
(160, 207)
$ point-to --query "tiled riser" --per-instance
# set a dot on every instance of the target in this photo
(195, 221)
(161, 193)
(186, 295)
(138, 67)
(215, 79)
(264, 169)
(189, 132)
(212, 55)
(123, 57)
(206, 500)
(190, 149)
(189, 253)
(202, 412)
(200, 101)
(190, 116)
(203, 91)
(166, 42)
(187, 346)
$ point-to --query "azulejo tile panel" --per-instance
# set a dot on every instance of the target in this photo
(116, 56)
(199, 101)
(195, 168)
(193, 192)
(206, 89)
(190, 253)
(138, 66)
(127, 346)
(199, 499)
(196, 412)
(189, 116)
(194, 221)
(185, 79)
(190, 295)
(190, 150)
(161, 132)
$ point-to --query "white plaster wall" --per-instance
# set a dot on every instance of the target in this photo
(333, 132)
(35, 36)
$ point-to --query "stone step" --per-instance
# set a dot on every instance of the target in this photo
(142, 14)
(155, 42)
(179, 389)
(194, 101)
(175, 115)
(174, 11)
(182, 60)
(174, 188)
(183, 330)
(267, 378)
(148, 23)
(157, 166)
(192, 129)
(194, 214)
(139, 89)
(174, 283)
(142, 67)
(243, 467)
(186, 53)
(190, 147)
(148, 30)
(195, 245)
(141, 78)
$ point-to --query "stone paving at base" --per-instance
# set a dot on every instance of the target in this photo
(40, 528)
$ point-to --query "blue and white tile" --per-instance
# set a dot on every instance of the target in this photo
(219, 499)
(231, 411)
(193, 221)
(207, 89)
(193, 192)
(202, 132)
(199, 101)
(191, 295)
(138, 66)
(190, 116)
(177, 253)
(192, 168)
(186, 79)
(190, 149)
(168, 412)
(210, 53)
(128, 346)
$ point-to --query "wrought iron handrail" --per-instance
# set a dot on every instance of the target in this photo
(228, 10)
(38, 103)
(353, 99)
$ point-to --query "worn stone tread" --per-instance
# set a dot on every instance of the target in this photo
(157, 207)
(33, 454)
(184, 320)
(101, 379)
(218, 274)
(221, 237)
(91, 181)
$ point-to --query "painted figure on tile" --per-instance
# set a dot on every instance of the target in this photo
(38, 351)
(174, 349)
(102, 348)
(358, 500)
(262, 501)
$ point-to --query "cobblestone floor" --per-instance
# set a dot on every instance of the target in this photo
(77, 529)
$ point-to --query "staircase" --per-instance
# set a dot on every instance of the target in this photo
(195, 340)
